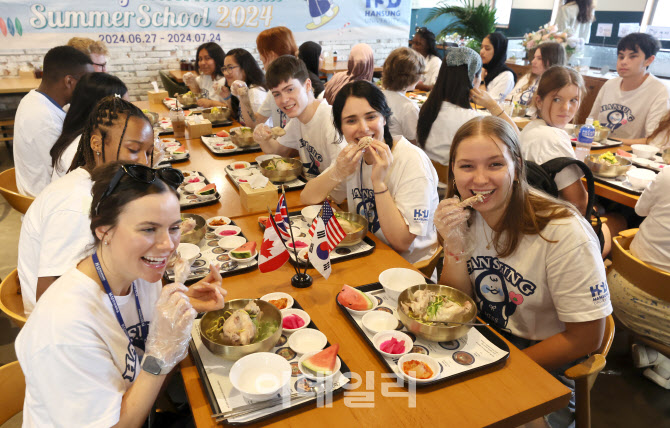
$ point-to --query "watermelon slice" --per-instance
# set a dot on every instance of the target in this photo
(223, 134)
(624, 153)
(209, 189)
(352, 298)
(323, 362)
(245, 251)
(180, 150)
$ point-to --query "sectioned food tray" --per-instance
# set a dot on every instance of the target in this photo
(620, 183)
(210, 252)
(480, 349)
(187, 201)
(222, 396)
(603, 144)
(253, 168)
(223, 146)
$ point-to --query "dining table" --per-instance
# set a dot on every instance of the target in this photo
(18, 85)
(178, 75)
(510, 393)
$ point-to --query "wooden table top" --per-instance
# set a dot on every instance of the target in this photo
(508, 395)
(18, 85)
(178, 75)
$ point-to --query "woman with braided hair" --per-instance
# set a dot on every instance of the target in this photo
(55, 231)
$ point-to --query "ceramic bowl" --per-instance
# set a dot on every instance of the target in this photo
(261, 376)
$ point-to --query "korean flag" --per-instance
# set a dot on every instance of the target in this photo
(319, 254)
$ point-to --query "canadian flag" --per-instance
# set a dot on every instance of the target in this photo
(273, 253)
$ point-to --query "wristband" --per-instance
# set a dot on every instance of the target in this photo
(227, 98)
(501, 112)
(383, 191)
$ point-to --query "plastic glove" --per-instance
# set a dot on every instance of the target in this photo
(182, 269)
(382, 160)
(189, 79)
(207, 294)
(170, 329)
(159, 151)
(262, 133)
(451, 223)
(239, 88)
(346, 163)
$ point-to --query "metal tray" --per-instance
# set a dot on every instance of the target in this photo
(219, 152)
(185, 206)
(297, 184)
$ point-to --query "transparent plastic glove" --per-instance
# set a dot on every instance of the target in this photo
(262, 133)
(451, 221)
(346, 163)
(170, 329)
(189, 79)
(207, 294)
(182, 269)
(239, 88)
(159, 150)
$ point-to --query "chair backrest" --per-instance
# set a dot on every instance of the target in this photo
(12, 390)
(8, 189)
(11, 302)
(441, 171)
(170, 85)
(644, 276)
(427, 267)
(608, 337)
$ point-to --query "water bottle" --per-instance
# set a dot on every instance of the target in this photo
(335, 56)
(585, 139)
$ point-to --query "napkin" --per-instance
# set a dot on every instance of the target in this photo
(155, 85)
(257, 181)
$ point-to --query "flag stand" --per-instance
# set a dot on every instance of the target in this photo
(301, 280)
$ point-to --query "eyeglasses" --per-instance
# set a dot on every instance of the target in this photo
(229, 69)
(103, 65)
(144, 174)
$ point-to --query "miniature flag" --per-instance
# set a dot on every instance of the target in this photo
(334, 232)
(283, 225)
(319, 249)
(273, 253)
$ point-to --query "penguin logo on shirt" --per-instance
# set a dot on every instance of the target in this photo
(315, 159)
(617, 115)
(493, 297)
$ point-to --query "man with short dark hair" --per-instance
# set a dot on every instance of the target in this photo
(633, 104)
(39, 117)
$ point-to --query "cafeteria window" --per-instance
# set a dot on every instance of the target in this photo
(503, 12)
(655, 20)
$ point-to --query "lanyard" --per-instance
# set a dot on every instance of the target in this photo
(117, 312)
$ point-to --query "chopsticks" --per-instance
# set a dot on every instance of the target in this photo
(253, 407)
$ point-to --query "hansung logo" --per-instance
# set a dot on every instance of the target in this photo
(599, 293)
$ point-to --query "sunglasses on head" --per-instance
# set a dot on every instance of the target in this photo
(172, 177)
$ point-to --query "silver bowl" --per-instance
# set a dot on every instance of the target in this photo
(241, 139)
(235, 352)
(601, 133)
(282, 176)
(152, 116)
(224, 114)
(438, 332)
(187, 101)
(606, 169)
(356, 237)
(194, 236)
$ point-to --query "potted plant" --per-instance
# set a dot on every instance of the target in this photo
(472, 21)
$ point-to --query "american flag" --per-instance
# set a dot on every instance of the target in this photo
(334, 231)
(283, 225)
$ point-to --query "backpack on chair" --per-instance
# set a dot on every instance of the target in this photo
(542, 178)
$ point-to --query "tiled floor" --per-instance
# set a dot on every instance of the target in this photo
(621, 397)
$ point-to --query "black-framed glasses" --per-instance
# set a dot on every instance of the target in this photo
(229, 69)
(103, 65)
(144, 174)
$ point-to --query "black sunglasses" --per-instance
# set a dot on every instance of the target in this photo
(172, 177)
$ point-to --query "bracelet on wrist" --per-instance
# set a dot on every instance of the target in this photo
(500, 112)
(383, 191)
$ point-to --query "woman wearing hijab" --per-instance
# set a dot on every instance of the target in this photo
(310, 54)
(361, 66)
(497, 79)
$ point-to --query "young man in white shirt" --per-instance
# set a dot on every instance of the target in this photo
(633, 104)
(39, 119)
(312, 135)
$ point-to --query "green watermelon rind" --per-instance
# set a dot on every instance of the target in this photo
(359, 293)
(321, 369)
(241, 254)
(244, 253)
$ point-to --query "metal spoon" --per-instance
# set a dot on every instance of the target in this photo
(460, 323)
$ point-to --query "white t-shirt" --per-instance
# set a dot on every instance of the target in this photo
(404, 114)
(433, 64)
(75, 356)
(567, 20)
(651, 243)
(269, 109)
(37, 125)
(316, 141)
(520, 95)
(541, 143)
(66, 159)
(257, 96)
(542, 285)
(55, 232)
(501, 86)
(412, 183)
(206, 84)
(631, 114)
(450, 118)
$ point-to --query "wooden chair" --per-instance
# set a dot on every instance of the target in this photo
(12, 390)
(8, 189)
(645, 277)
(427, 267)
(11, 302)
(7, 127)
(441, 171)
(584, 374)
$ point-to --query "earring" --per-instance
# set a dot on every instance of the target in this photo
(106, 242)
(97, 153)
(454, 183)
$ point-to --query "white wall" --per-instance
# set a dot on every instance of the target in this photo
(533, 4)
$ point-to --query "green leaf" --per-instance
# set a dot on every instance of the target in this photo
(472, 21)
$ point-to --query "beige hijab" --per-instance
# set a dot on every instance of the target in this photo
(361, 66)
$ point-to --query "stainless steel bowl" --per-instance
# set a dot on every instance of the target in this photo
(152, 116)
(242, 139)
(440, 332)
(666, 155)
(282, 176)
(187, 101)
(601, 133)
(354, 238)
(233, 352)
(606, 169)
(194, 236)
(223, 114)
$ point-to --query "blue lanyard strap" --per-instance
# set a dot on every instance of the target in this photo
(115, 306)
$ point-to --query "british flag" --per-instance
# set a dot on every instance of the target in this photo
(283, 225)
(334, 231)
